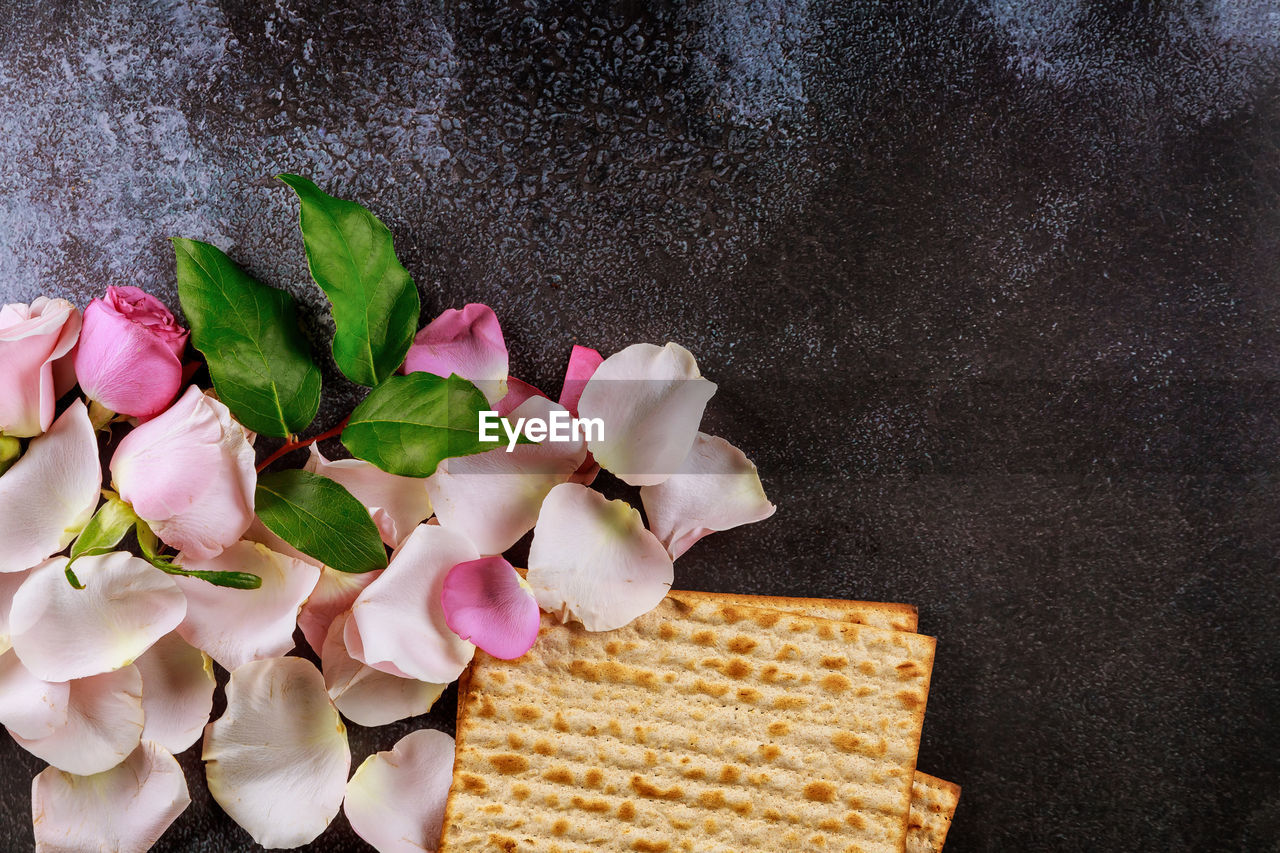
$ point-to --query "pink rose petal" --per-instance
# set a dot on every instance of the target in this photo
(583, 362)
(517, 392)
(467, 342)
(487, 602)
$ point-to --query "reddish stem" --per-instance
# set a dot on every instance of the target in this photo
(290, 446)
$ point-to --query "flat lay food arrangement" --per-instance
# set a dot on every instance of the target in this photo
(724, 425)
(153, 530)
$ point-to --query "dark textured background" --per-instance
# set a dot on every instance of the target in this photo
(990, 291)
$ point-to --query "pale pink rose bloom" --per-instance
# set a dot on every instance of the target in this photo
(32, 340)
(130, 353)
(189, 474)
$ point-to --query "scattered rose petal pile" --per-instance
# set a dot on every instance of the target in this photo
(106, 658)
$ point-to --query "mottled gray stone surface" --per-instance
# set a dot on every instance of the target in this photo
(990, 291)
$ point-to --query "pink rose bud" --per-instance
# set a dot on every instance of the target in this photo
(189, 474)
(130, 354)
(32, 340)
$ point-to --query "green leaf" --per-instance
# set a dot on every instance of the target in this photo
(375, 303)
(409, 424)
(235, 580)
(248, 332)
(111, 523)
(321, 519)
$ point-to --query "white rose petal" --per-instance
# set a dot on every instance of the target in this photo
(29, 707)
(49, 494)
(177, 692)
(592, 560)
(236, 626)
(104, 724)
(397, 624)
(368, 696)
(650, 400)
(62, 633)
(277, 760)
(126, 808)
(396, 800)
(716, 488)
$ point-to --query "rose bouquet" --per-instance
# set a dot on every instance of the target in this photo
(116, 597)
